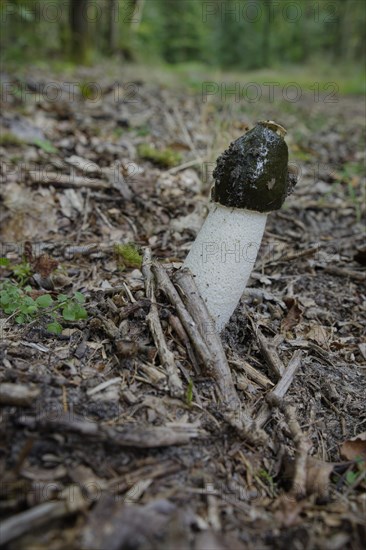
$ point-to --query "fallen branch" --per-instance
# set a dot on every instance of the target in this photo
(188, 323)
(303, 446)
(65, 180)
(208, 350)
(166, 356)
(269, 352)
(38, 516)
(253, 374)
(182, 335)
(343, 272)
(280, 390)
(205, 325)
(143, 437)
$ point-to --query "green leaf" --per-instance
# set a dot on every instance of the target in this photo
(45, 145)
(80, 297)
(9, 309)
(129, 254)
(81, 313)
(189, 392)
(29, 310)
(55, 328)
(28, 301)
(4, 262)
(4, 298)
(165, 157)
(62, 298)
(68, 313)
(351, 477)
(20, 319)
(11, 290)
(44, 301)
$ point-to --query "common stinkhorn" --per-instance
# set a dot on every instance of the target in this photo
(251, 179)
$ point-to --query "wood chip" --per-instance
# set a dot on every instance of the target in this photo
(18, 395)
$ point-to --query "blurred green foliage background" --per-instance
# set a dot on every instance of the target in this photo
(226, 34)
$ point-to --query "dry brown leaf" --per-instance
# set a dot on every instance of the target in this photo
(316, 478)
(354, 448)
(318, 334)
(362, 348)
(32, 214)
(28, 251)
(318, 475)
(288, 511)
(44, 265)
(293, 315)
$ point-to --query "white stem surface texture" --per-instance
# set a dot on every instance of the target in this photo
(222, 257)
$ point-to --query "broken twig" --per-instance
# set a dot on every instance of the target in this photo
(17, 395)
(205, 325)
(166, 356)
(279, 391)
(269, 352)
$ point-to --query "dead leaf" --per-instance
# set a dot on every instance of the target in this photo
(84, 165)
(215, 541)
(362, 348)
(319, 335)
(318, 476)
(293, 315)
(288, 510)
(354, 448)
(32, 214)
(44, 265)
(71, 203)
(28, 251)
(112, 524)
(23, 129)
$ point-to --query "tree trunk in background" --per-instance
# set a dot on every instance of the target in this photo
(138, 6)
(267, 22)
(79, 30)
(340, 29)
(112, 26)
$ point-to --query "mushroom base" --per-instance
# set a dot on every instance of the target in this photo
(222, 258)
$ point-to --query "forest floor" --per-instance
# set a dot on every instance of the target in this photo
(98, 450)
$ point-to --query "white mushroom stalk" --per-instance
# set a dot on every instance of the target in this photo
(251, 179)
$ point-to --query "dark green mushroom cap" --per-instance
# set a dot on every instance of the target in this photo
(253, 172)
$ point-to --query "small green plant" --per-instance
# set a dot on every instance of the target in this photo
(118, 132)
(189, 393)
(351, 477)
(163, 157)
(22, 272)
(267, 478)
(89, 91)
(143, 131)
(8, 139)
(128, 255)
(18, 302)
(357, 475)
(71, 308)
(45, 145)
